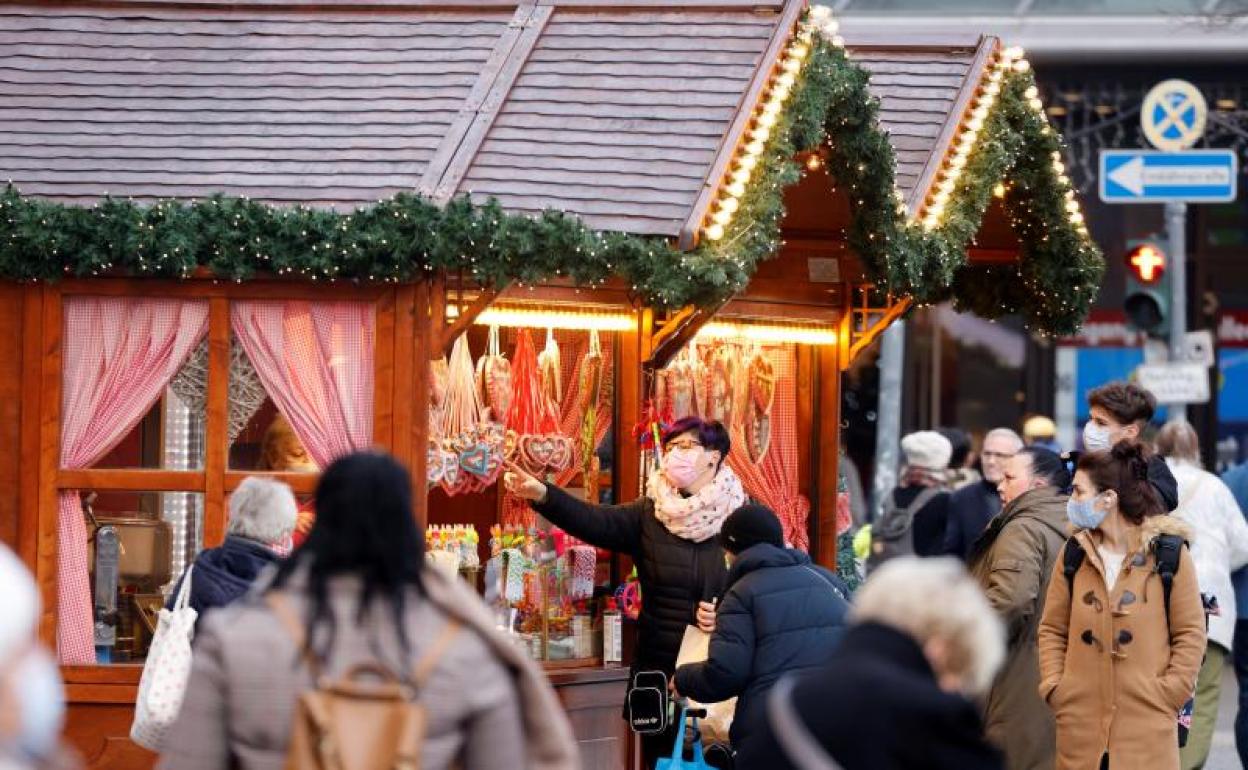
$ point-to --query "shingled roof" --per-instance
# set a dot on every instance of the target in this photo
(615, 113)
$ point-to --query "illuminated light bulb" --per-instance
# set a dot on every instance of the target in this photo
(747, 162)
(820, 12)
(1072, 206)
(761, 134)
(741, 176)
(781, 93)
(736, 189)
(1032, 92)
(772, 107)
(957, 162)
(838, 41)
(729, 204)
(767, 120)
(1036, 104)
(1022, 65)
(754, 148)
(980, 113)
(722, 217)
(1076, 218)
(785, 80)
(1014, 52)
(831, 27)
(792, 65)
(999, 190)
(715, 232)
(975, 124)
(799, 51)
(814, 162)
(993, 88)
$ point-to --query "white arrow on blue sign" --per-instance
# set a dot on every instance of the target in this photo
(1152, 176)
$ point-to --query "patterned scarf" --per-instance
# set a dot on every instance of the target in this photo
(699, 516)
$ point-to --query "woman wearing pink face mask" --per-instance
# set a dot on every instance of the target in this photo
(670, 535)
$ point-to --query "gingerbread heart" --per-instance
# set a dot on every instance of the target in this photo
(537, 451)
(476, 460)
(563, 454)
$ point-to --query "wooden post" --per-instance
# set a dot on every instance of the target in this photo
(216, 423)
(421, 356)
(829, 413)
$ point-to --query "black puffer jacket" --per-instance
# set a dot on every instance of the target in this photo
(781, 615)
(675, 574)
(224, 574)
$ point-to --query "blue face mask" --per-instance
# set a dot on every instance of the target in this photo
(1083, 513)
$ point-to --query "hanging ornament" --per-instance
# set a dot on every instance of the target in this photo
(478, 444)
(541, 448)
(591, 391)
(679, 385)
(494, 379)
(761, 376)
(550, 364)
(723, 371)
(440, 462)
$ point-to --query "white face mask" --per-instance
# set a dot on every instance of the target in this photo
(1095, 437)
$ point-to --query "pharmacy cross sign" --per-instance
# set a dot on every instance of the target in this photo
(1173, 115)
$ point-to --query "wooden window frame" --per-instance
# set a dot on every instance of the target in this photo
(394, 339)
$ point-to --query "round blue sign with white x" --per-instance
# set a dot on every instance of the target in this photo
(1173, 115)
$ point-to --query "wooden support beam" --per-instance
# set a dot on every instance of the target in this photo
(829, 411)
(676, 333)
(894, 311)
(467, 316)
(421, 354)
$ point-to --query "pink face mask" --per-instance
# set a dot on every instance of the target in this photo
(681, 466)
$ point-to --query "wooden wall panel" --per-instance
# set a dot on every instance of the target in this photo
(11, 321)
(100, 732)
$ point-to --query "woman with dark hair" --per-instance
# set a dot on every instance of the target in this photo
(1012, 560)
(1119, 652)
(356, 593)
(670, 535)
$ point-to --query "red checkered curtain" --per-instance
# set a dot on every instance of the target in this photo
(774, 481)
(119, 355)
(315, 360)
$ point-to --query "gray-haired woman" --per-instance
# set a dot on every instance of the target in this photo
(262, 518)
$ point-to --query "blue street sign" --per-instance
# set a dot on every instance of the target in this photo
(1152, 176)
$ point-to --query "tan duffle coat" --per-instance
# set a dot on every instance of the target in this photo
(1112, 669)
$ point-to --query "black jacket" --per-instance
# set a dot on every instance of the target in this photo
(877, 706)
(970, 510)
(780, 615)
(929, 522)
(1163, 481)
(675, 574)
(224, 574)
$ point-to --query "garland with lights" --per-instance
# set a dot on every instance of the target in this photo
(826, 106)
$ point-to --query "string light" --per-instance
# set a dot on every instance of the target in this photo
(766, 116)
(774, 333)
(527, 318)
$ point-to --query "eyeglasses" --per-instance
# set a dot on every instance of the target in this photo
(997, 455)
(684, 443)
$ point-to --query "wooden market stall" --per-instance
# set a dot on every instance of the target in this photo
(662, 171)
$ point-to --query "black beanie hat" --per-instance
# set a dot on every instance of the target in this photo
(749, 525)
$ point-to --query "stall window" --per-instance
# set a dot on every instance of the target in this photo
(166, 405)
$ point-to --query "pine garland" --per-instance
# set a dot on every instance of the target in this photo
(405, 237)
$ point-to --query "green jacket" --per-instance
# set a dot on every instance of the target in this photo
(1012, 560)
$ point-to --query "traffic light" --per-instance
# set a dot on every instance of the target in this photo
(1147, 301)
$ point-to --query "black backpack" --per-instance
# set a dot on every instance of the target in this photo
(892, 535)
(1167, 549)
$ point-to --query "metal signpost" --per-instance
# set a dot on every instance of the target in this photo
(1172, 118)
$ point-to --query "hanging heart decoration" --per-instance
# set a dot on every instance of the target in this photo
(723, 371)
(439, 462)
(591, 391)
(494, 379)
(541, 448)
(761, 379)
(476, 443)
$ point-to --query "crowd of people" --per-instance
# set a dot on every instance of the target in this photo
(1022, 609)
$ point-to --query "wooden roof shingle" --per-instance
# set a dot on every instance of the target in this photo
(619, 114)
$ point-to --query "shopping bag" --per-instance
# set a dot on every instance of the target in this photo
(165, 674)
(677, 761)
(695, 648)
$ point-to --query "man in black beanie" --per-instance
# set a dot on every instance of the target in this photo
(779, 614)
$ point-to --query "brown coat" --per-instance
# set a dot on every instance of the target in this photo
(488, 706)
(1113, 671)
(1013, 561)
